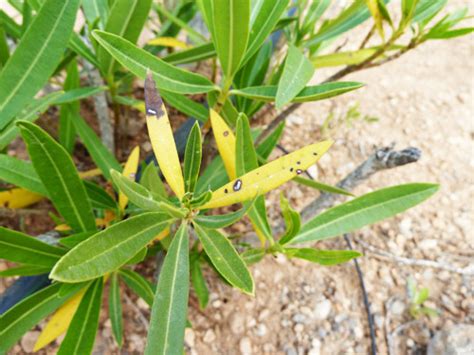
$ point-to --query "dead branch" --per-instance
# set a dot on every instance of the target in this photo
(383, 159)
(380, 254)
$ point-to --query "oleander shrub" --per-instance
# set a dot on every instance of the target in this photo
(254, 58)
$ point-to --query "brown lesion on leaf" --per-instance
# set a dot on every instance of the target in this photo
(153, 101)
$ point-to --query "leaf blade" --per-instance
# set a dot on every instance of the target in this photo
(168, 315)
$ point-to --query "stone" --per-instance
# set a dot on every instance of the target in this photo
(189, 337)
(28, 341)
(397, 308)
(458, 340)
(261, 330)
(299, 318)
(245, 346)
(209, 337)
(428, 244)
(322, 309)
(237, 323)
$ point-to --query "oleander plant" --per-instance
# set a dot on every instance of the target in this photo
(218, 63)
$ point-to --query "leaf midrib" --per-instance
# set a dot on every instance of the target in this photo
(35, 251)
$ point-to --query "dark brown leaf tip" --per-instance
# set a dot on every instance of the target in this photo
(153, 101)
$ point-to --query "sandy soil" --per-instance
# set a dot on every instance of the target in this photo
(425, 99)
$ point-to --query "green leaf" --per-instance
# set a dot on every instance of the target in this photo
(265, 148)
(185, 105)
(200, 199)
(36, 57)
(252, 256)
(225, 259)
(191, 55)
(309, 93)
(74, 239)
(199, 283)
(115, 309)
(126, 20)
(96, 9)
(426, 9)
(143, 198)
(167, 76)
(20, 173)
(451, 34)
(138, 284)
(349, 57)
(297, 72)
(323, 257)
(103, 158)
(223, 220)
(28, 312)
(31, 113)
(151, 180)
(67, 133)
(231, 22)
(321, 187)
(292, 221)
(98, 197)
(168, 314)
(246, 161)
(109, 249)
(59, 176)
(264, 23)
(81, 333)
(350, 17)
(192, 158)
(21, 248)
(72, 95)
(25, 270)
(364, 210)
(213, 177)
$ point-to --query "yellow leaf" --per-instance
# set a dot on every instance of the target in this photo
(267, 177)
(18, 198)
(90, 173)
(60, 321)
(129, 171)
(162, 235)
(168, 42)
(225, 141)
(375, 11)
(161, 136)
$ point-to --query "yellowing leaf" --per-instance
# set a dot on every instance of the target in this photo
(162, 235)
(129, 171)
(225, 140)
(375, 11)
(18, 198)
(267, 177)
(90, 173)
(60, 321)
(161, 136)
(168, 42)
